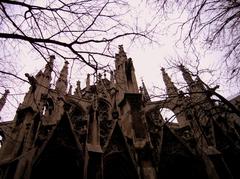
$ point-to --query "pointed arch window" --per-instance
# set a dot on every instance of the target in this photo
(78, 120)
(103, 111)
(48, 107)
(105, 120)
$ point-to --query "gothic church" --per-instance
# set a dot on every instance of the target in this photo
(110, 129)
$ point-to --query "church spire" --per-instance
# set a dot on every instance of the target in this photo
(171, 89)
(186, 75)
(200, 84)
(49, 67)
(3, 99)
(61, 84)
(125, 73)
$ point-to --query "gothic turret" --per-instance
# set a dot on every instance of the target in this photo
(171, 89)
(187, 76)
(125, 73)
(44, 78)
(27, 118)
(49, 67)
(196, 87)
(61, 84)
(39, 86)
(77, 91)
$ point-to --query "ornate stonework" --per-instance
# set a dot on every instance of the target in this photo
(113, 130)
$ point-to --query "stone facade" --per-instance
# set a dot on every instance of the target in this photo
(111, 129)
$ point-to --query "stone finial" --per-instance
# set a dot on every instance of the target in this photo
(121, 55)
(52, 57)
(120, 47)
(64, 71)
(121, 51)
(77, 91)
(78, 85)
